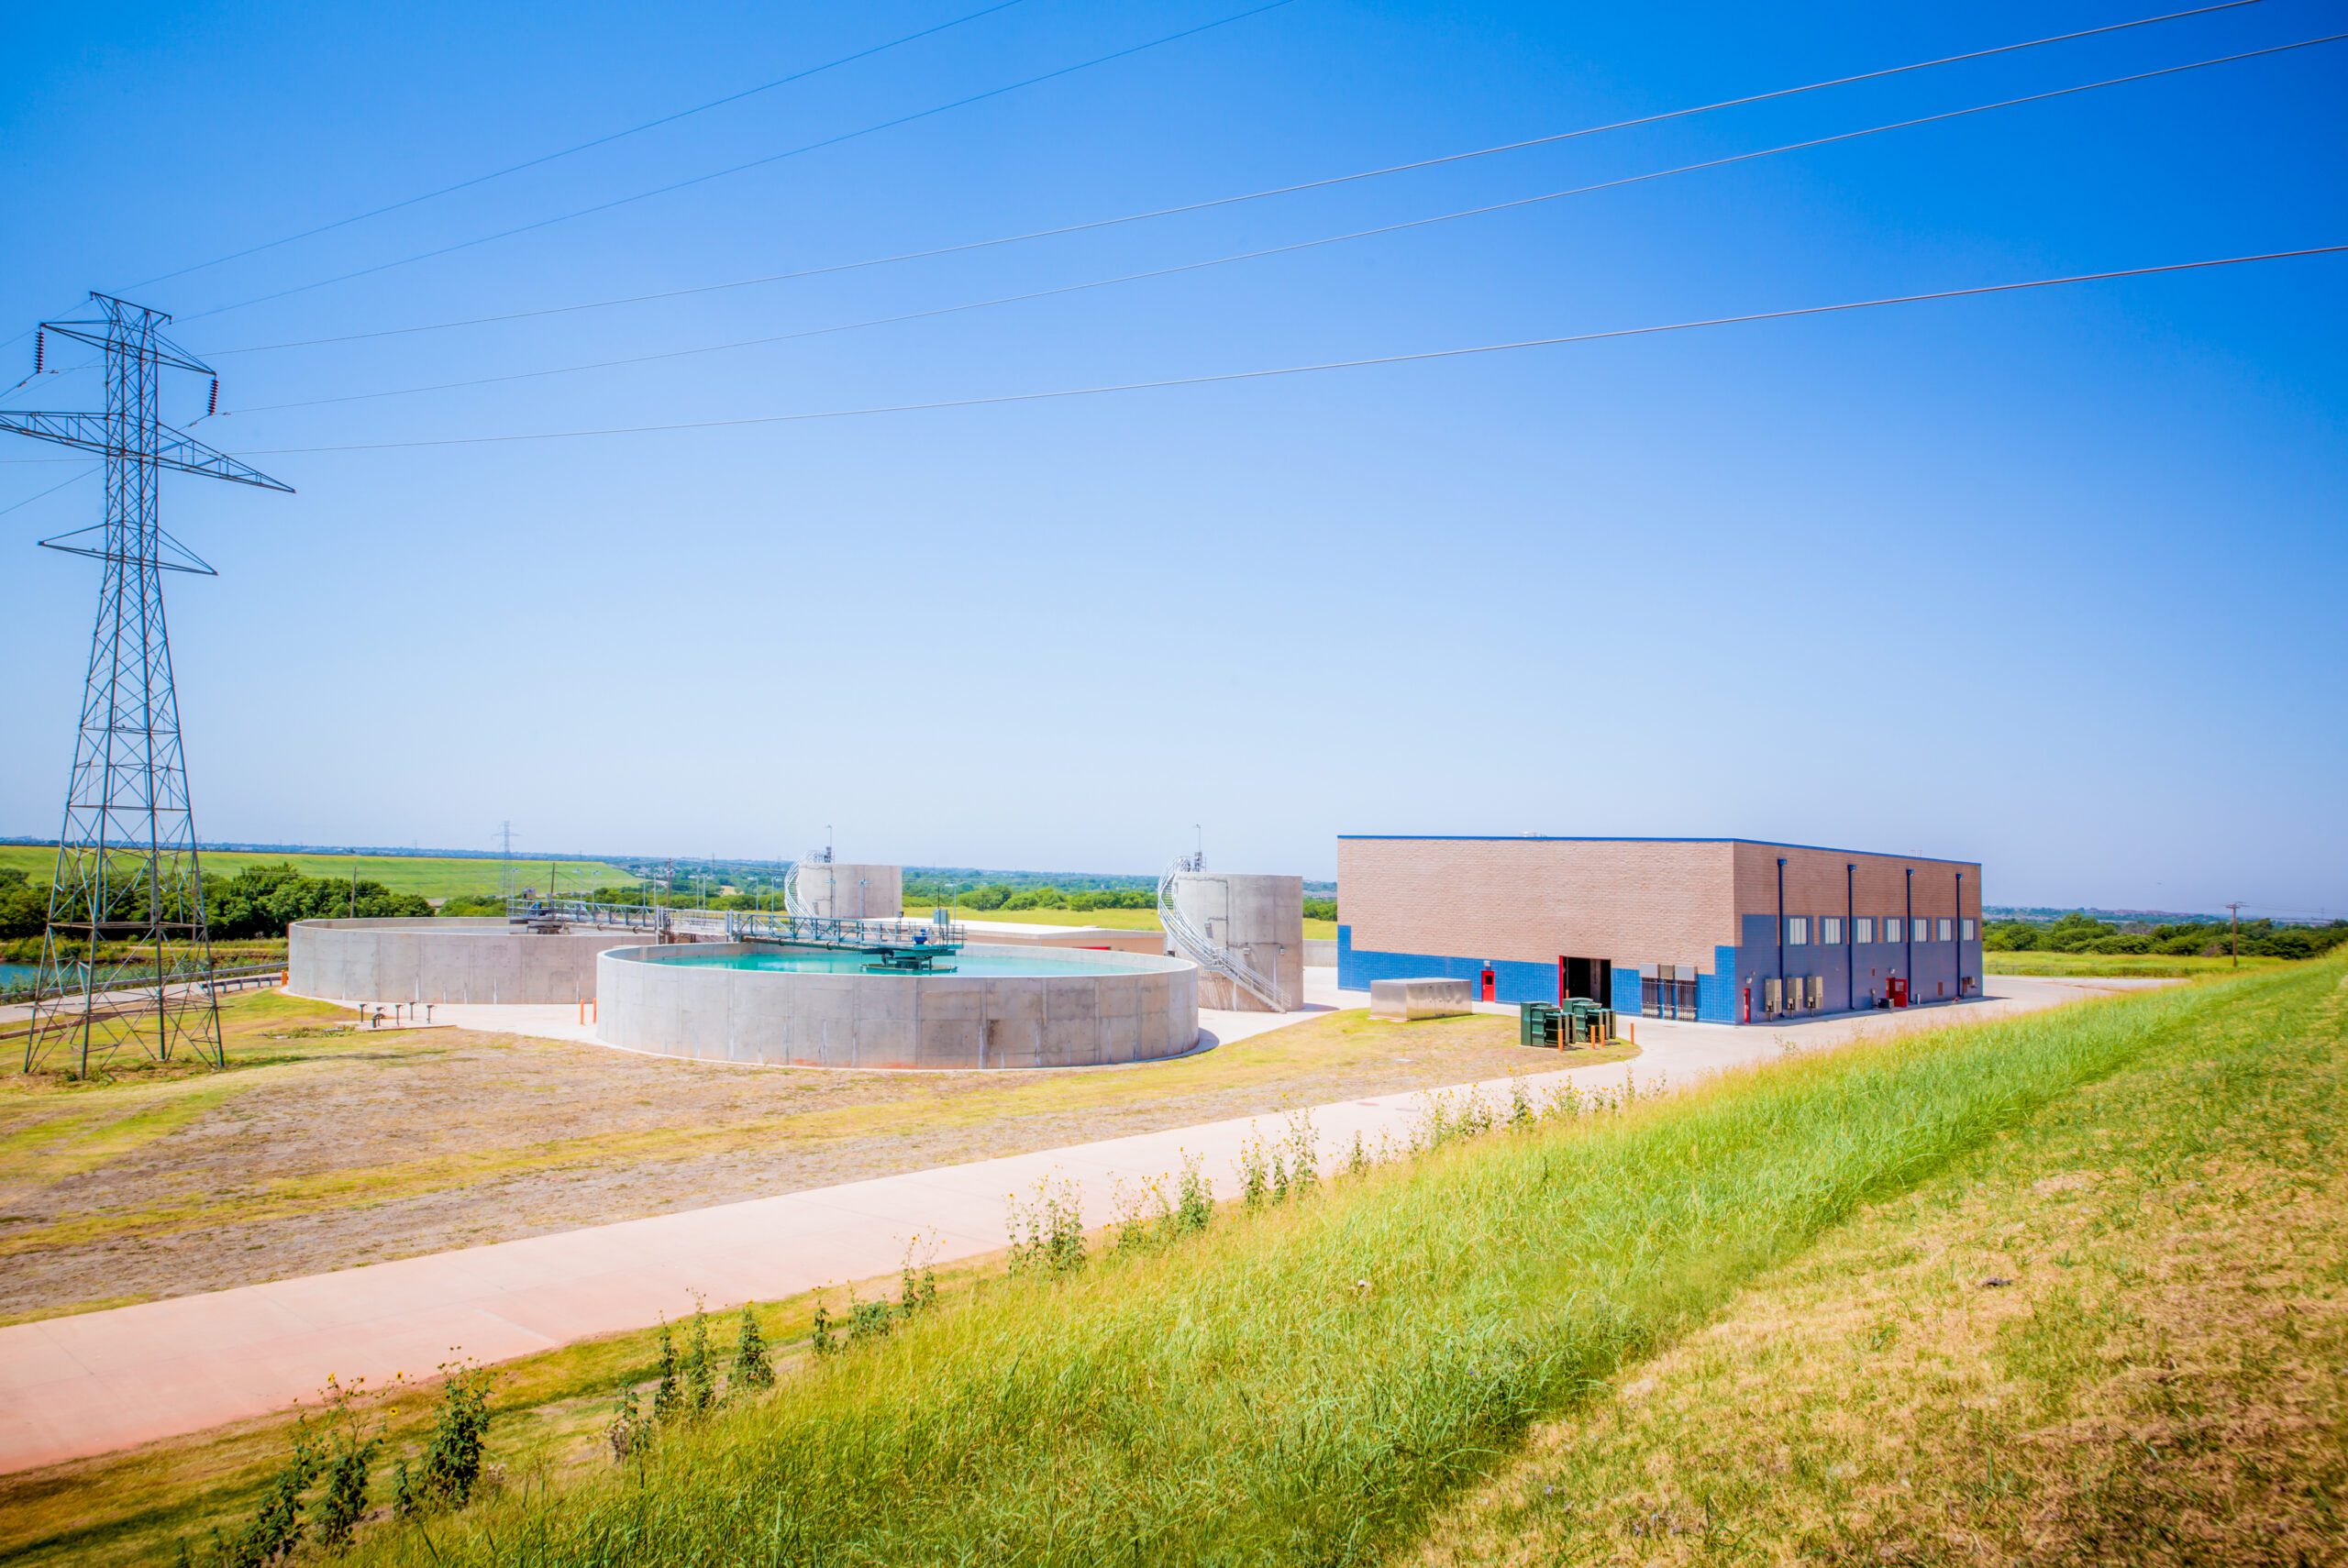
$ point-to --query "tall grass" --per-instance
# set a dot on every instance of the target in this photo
(1303, 1383)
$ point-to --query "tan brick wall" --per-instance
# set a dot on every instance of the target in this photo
(1531, 899)
(1814, 882)
(1640, 903)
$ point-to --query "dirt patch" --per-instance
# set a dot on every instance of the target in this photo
(323, 1149)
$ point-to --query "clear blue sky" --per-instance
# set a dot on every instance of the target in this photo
(2055, 581)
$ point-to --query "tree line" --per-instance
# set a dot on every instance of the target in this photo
(258, 901)
(2085, 933)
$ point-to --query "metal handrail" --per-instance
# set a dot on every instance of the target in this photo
(738, 924)
(1203, 950)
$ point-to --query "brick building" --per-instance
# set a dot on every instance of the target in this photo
(1723, 929)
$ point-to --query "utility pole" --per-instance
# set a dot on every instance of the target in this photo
(127, 893)
(2233, 933)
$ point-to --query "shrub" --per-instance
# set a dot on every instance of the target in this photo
(820, 1338)
(451, 1463)
(917, 1281)
(350, 1464)
(275, 1527)
(751, 1368)
(868, 1319)
(1047, 1234)
(630, 1430)
(1193, 1204)
(669, 1394)
(700, 1377)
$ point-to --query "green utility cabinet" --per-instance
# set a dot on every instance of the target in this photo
(1579, 1021)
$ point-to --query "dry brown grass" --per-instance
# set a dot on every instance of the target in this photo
(2118, 1337)
(327, 1146)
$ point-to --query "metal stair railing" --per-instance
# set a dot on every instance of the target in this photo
(736, 924)
(1206, 953)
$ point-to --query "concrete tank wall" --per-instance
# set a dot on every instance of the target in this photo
(1259, 917)
(845, 892)
(650, 1001)
(443, 960)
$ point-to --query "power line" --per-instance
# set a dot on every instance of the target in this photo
(603, 140)
(743, 168)
(1222, 376)
(1209, 204)
(1294, 246)
(53, 489)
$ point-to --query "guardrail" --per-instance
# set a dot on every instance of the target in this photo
(128, 998)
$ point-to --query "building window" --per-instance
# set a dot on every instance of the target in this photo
(1863, 929)
(1948, 928)
(1797, 931)
(1830, 930)
(1967, 928)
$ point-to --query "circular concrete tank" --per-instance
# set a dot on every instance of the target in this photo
(431, 959)
(842, 891)
(1005, 1007)
(1261, 918)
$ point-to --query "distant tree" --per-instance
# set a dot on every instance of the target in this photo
(472, 904)
(2010, 936)
(24, 906)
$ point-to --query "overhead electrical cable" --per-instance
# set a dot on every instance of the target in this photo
(53, 489)
(1294, 246)
(1322, 183)
(771, 158)
(1226, 377)
(577, 148)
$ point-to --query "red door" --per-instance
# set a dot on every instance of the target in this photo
(1488, 985)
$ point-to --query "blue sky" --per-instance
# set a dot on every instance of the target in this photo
(2052, 580)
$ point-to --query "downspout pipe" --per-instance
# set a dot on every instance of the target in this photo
(1957, 934)
(1850, 936)
(1909, 920)
(1782, 933)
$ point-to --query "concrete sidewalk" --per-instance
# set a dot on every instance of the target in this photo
(91, 1384)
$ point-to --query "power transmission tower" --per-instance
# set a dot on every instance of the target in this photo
(505, 867)
(126, 957)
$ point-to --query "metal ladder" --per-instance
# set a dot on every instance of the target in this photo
(1202, 950)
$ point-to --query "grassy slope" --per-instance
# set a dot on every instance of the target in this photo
(434, 879)
(2150, 966)
(2159, 1372)
(1114, 919)
(1312, 1383)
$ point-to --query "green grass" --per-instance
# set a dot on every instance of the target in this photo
(1113, 920)
(434, 877)
(2144, 966)
(2118, 1335)
(1312, 1384)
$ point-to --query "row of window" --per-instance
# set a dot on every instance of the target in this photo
(1863, 929)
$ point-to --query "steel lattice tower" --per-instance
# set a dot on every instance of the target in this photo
(126, 959)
